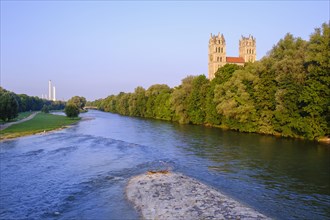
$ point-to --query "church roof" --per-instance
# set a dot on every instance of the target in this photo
(235, 60)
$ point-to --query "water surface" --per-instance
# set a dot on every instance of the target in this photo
(81, 172)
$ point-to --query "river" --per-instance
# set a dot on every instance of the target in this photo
(81, 172)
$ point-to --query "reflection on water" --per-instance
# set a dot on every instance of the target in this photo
(81, 172)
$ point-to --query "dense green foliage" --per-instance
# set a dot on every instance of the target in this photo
(45, 109)
(78, 101)
(8, 106)
(285, 93)
(11, 104)
(71, 110)
(40, 123)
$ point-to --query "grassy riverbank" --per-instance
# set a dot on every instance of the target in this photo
(40, 123)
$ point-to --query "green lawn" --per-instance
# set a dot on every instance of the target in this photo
(40, 123)
(20, 116)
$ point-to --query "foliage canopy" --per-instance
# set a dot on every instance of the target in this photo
(71, 110)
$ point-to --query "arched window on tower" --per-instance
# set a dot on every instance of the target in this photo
(247, 50)
(216, 49)
(221, 49)
(217, 59)
(220, 59)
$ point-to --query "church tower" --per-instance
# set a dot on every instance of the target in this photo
(217, 54)
(247, 48)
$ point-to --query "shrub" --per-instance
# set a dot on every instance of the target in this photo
(71, 110)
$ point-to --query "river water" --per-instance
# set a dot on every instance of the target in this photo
(81, 172)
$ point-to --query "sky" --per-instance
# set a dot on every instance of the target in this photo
(99, 48)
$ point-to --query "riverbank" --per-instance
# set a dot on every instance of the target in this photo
(164, 195)
(29, 117)
(40, 123)
(322, 140)
(21, 115)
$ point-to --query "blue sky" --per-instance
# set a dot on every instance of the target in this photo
(97, 48)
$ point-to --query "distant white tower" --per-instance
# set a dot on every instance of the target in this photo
(50, 97)
(54, 94)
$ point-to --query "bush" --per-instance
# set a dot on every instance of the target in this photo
(71, 110)
(45, 109)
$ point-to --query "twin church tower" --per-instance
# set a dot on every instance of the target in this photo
(217, 53)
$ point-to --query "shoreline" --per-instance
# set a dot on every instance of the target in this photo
(166, 195)
(35, 131)
(322, 140)
(32, 133)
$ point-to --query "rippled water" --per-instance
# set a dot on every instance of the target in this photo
(81, 172)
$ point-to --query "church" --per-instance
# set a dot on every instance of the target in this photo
(218, 57)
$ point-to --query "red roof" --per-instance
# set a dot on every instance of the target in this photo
(235, 60)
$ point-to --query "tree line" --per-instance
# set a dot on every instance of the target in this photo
(286, 93)
(11, 104)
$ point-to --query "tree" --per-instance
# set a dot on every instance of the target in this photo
(71, 110)
(137, 102)
(122, 106)
(109, 104)
(225, 73)
(78, 101)
(264, 95)
(314, 98)
(235, 100)
(45, 109)
(179, 100)
(286, 65)
(156, 100)
(162, 104)
(54, 105)
(211, 115)
(163, 108)
(197, 100)
(8, 106)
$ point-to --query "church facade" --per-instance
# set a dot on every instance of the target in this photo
(218, 56)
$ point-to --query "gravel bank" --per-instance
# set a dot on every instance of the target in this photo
(175, 196)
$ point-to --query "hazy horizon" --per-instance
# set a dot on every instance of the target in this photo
(95, 49)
